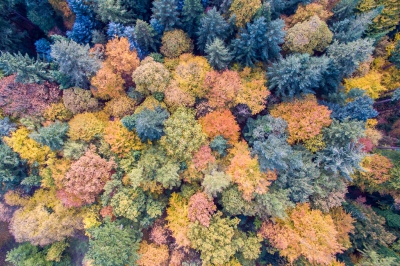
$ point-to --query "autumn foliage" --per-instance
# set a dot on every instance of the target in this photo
(201, 208)
(220, 123)
(305, 118)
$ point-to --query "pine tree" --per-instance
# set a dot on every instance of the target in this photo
(191, 13)
(145, 36)
(112, 10)
(218, 55)
(165, 12)
(149, 124)
(41, 13)
(28, 70)
(212, 26)
(52, 136)
(85, 21)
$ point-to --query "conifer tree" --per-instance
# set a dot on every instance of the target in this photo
(191, 13)
(395, 55)
(218, 55)
(165, 12)
(145, 35)
(52, 136)
(212, 26)
(112, 10)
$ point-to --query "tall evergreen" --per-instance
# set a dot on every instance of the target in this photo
(212, 26)
(145, 36)
(191, 13)
(165, 12)
(218, 55)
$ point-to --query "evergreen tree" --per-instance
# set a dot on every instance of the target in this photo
(348, 56)
(74, 62)
(218, 55)
(212, 26)
(191, 13)
(41, 13)
(12, 169)
(145, 36)
(112, 10)
(6, 126)
(85, 21)
(344, 9)
(276, 36)
(149, 124)
(43, 49)
(395, 55)
(165, 12)
(28, 70)
(52, 136)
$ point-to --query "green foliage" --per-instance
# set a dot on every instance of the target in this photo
(149, 124)
(215, 183)
(395, 55)
(52, 136)
(372, 258)
(28, 70)
(108, 238)
(392, 219)
(218, 55)
(273, 204)
(212, 26)
(74, 61)
(234, 204)
(220, 145)
(145, 36)
(166, 13)
(12, 169)
(343, 133)
(41, 13)
(191, 14)
(112, 10)
(27, 255)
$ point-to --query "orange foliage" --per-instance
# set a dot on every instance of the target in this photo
(121, 140)
(221, 123)
(151, 254)
(245, 171)
(120, 57)
(107, 84)
(57, 111)
(120, 107)
(254, 92)
(344, 225)
(223, 88)
(308, 233)
(305, 118)
(377, 170)
(174, 96)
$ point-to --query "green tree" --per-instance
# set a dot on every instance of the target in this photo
(112, 11)
(108, 238)
(75, 62)
(166, 13)
(191, 13)
(52, 136)
(218, 55)
(145, 35)
(12, 169)
(149, 124)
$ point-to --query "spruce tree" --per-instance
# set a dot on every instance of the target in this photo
(28, 70)
(212, 26)
(218, 55)
(112, 10)
(191, 13)
(145, 36)
(165, 12)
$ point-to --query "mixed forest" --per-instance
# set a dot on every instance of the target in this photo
(199, 132)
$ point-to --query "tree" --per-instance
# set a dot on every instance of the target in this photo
(105, 239)
(190, 74)
(191, 14)
(201, 208)
(305, 118)
(174, 43)
(218, 242)
(177, 218)
(85, 179)
(159, 80)
(212, 26)
(273, 204)
(6, 127)
(361, 108)
(52, 136)
(165, 12)
(183, 135)
(244, 11)
(343, 133)
(245, 172)
(79, 101)
(74, 61)
(221, 123)
(308, 36)
(223, 88)
(151, 254)
(215, 182)
(27, 254)
(149, 124)
(218, 55)
(27, 70)
(305, 12)
(121, 140)
(348, 56)
(395, 55)
(84, 22)
(298, 74)
(371, 83)
(305, 232)
(107, 84)
(145, 35)
(85, 126)
(12, 169)
(220, 145)
(43, 220)
(120, 106)
(57, 111)
(19, 100)
(112, 10)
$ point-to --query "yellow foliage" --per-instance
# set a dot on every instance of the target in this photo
(121, 140)
(190, 74)
(374, 135)
(91, 218)
(120, 107)
(85, 127)
(58, 168)
(175, 43)
(54, 253)
(13, 198)
(315, 144)
(371, 83)
(244, 10)
(178, 221)
(120, 56)
(149, 103)
(254, 93)
(57, 111)
(305, 12)
(371, 123)
(27, 148)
